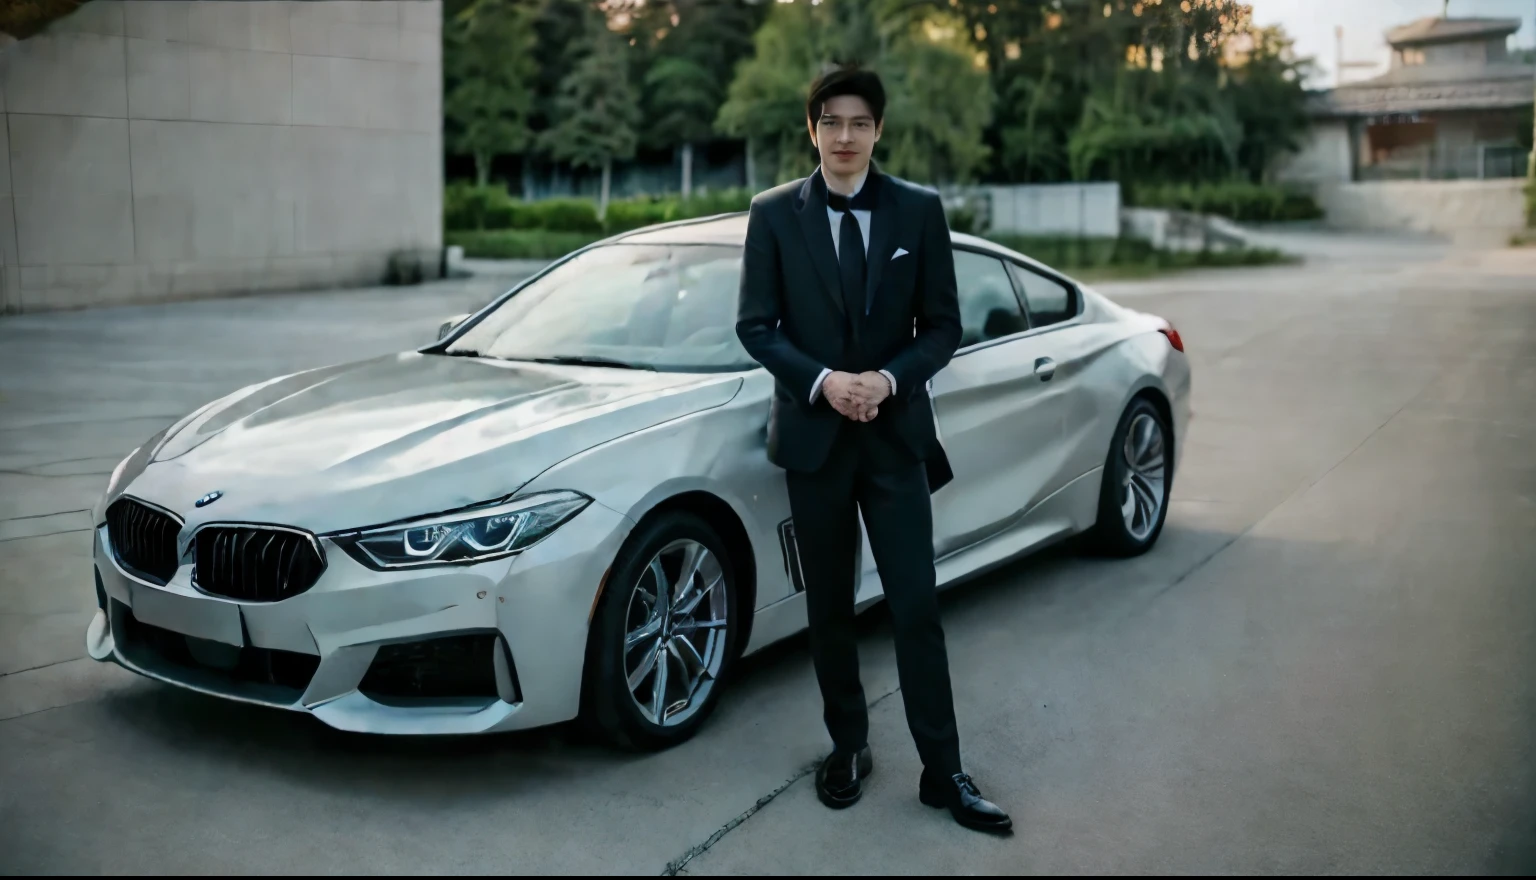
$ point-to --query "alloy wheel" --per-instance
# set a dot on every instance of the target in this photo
(675, 632)
(1144, 477)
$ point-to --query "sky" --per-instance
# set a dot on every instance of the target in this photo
(1311, 24)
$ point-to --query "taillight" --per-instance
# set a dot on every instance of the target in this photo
(1173, 337)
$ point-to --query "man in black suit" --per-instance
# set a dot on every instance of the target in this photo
(848, 298)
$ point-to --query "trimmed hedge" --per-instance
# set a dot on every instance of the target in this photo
(467, 208)
(627, 214)
(480, 208)
(1075, 254)
(1237, 200)
(518, 244)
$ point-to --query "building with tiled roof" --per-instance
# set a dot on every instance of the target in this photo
(1454, 104)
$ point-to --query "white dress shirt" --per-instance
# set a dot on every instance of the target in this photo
(835, 219)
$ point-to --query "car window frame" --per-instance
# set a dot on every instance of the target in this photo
(1013, 284)
(1002, 254)
(1074, 294)
(1010, 263)
(441, 346)
(480, 314)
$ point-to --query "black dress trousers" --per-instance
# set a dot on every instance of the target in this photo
(870, 473)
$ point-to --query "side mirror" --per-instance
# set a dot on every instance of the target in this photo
(447, 326)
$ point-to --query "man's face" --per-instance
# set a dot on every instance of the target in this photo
(845, 135)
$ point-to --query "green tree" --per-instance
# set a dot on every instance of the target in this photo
(489, 71)
(684, 101)
(598, 111)
(1135, 90)
(692, 55)
(559, 27)
(940, 103)
(1269, 101)
(765, 103)
(939, 97)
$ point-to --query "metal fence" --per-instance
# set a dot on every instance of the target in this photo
(1080, 210)
(1482, 162)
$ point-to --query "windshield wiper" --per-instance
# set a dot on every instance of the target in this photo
(588, 361)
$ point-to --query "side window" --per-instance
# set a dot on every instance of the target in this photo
(1049, 301)
(988, 307)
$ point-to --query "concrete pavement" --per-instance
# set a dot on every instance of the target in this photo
(1322, 668)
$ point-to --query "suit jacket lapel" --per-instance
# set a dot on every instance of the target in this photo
(818, 239)
(881, 241)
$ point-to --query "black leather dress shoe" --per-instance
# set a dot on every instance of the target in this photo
(964, 801)
(840, 779)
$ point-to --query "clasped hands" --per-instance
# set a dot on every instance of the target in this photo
(856, 396)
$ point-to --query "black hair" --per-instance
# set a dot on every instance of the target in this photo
(846, 79)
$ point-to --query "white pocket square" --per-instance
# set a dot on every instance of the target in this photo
(900, 252)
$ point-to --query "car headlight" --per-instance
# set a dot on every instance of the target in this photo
(464, 537)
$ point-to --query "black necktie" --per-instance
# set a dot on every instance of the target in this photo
(850, 246)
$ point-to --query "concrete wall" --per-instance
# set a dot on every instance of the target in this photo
(160, 149)
(1471, 211)
(1324, 156)
(1075, 209)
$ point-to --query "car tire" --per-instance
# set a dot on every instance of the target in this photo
(691, 652)
(1138, 476)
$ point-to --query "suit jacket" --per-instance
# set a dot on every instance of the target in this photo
(791, 315)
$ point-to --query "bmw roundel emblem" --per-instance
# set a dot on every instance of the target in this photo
(211, 497)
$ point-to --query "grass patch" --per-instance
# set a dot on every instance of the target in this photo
(1238, 200)
(1125, 258)
(518, 244)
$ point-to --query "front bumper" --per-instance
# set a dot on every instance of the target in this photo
(463, 649)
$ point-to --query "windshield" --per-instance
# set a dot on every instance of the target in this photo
(662, 307)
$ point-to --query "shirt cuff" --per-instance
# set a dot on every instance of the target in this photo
(816, 386)
(891, 379)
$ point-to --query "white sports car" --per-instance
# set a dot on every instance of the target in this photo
(563, 508)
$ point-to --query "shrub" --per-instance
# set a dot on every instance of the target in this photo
(627, 214)
(476, 207)
(1070, 254)
(518, 244)
(558, 215)
(467, 207)
(962, 220)
(726, 201)
(1236, 200)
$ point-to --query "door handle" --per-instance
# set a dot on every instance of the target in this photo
(1045, 368)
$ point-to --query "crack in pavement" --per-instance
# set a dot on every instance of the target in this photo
(70, 461)
(678, 864)
(36, 668)
(43, 535)
(43, 515)
(24, 473)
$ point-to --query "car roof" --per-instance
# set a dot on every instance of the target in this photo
(731, 229)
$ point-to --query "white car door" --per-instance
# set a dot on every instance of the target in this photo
(1001, 406)
(1000, 410)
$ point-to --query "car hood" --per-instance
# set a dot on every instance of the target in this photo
(405, 435)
